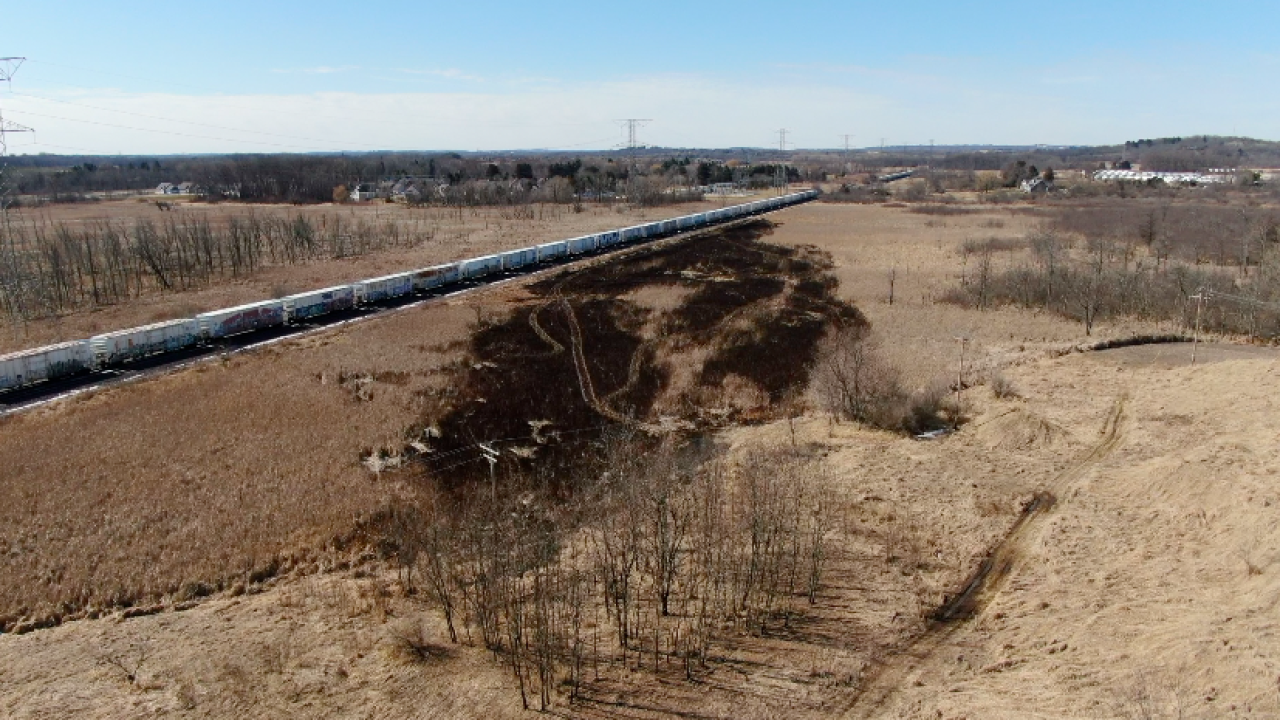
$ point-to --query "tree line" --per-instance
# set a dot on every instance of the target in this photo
(1149, 277)
(47, 269)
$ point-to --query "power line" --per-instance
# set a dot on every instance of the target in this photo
(165, 132)
(190, 122)
(415, 124)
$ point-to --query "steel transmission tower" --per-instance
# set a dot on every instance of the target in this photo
(780, 177)
(10, 278)
(848, 166)
(8, 66)
(632, 124)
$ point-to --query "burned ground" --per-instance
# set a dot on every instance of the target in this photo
(541, 385)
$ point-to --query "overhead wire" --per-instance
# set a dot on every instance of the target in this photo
(163, 132)
(191, 122)
(382, 120)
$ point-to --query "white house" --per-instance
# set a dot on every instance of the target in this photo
(363, 191)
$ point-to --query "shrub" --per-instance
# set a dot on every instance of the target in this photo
(854, 383)
(1002, 387)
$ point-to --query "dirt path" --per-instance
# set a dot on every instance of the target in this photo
(556, 347)
(905, 666)
(579, 355)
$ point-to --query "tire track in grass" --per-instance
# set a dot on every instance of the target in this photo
(900, 666)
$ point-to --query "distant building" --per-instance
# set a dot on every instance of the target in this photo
(167, 189)
(364, 191)
(1169, 178)
(407, 190)
(1036, 186)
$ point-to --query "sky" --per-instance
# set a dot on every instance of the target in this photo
(290, 76)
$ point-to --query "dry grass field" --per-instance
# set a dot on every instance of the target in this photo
(444, 234)
(1146, 588)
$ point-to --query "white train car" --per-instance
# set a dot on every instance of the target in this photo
(580, 245)
(32, 366)
(383, 288)
(241, 319)
(479, 267)
(319, 302)
(515, 259)
(435, 276)
(552, 250)
(47, 363)
(125, 345)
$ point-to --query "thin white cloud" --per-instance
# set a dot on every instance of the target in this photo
(317, 70)
(447, 73)
(689, 110)
(1070, 80)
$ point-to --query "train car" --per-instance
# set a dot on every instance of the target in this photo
(552, 250)
(319, 302)
(608, 239)
(124, 345)
(516, 259)
(580, 245)
(383, 288)
(240, 319)
(479, 267)
(47, 363)
(435, 276)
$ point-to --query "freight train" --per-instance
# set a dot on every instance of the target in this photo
(118, 349)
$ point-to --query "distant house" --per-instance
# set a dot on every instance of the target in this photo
(167, 189)
(363, 191)
(1036, 185)
(406, 189)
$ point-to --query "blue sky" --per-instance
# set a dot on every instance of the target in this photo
(180, 77)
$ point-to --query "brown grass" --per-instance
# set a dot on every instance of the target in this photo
(1138, 567)
(210, 477)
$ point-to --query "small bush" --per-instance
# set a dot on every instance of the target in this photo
(1002, 387)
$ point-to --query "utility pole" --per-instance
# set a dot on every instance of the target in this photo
(491, 455)
(1199, 297)
(963, 340)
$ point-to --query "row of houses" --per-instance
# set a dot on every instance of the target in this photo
(186, 188)
(1170, 178)
(415, 188)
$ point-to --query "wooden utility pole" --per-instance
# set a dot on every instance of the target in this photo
(1199, 297)
(491, 455)
(960, 377)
